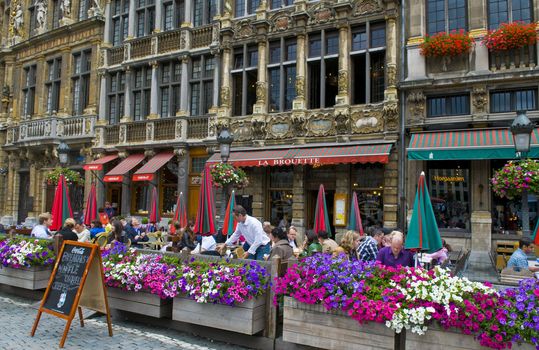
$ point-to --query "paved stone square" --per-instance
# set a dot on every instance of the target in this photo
(17, 316)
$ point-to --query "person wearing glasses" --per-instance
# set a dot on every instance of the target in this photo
(257, 243)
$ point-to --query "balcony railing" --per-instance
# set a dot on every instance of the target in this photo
(201, 37)
(136, 132)
(141, 47)
(169, 41)
(165, 129)
(112, 135)
(53, 128)
(197, 127)
(525, 57)
(116, 55)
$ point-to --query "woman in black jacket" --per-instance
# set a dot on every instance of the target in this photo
(188, 239)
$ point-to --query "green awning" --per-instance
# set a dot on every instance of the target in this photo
(467, 144)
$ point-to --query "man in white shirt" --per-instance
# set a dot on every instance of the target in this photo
(257, 243)
(42, 229)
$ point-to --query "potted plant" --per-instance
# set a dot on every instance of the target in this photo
(224, 174)
(446, 46)
(509, 181)
(511, 36)
(71, 176)
(26, 263)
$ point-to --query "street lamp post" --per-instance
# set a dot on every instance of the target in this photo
(224, 139)
(63, 150)
(521, 128)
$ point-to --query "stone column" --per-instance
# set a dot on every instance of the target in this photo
(416, 28)
(100, 188)
(108, 19)
(216, 76)
(299, 101)
(183, 172)
(257, 190)
(128, 114)
(154, 100)
(159, 16)
(343, 97)
(66, 96)
(391, 57)
(342, 185)
(481, 219)
(126, 195)
(188, 21)
(225, 83)
(480, 52)
(40, 94)
(131, 31)
(261, 85)
(298, 202)
(184, 93)
(391, 199)
(103, 97)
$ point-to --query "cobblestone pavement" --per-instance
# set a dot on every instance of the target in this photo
(17, 317)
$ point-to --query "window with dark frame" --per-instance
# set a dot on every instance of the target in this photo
(56, 14)
(52, 84)
(276, 4)
(244, 78)
(246, 7)
(170, 89)
(368, 55)
(141, 92)
(282, 74)
(204, 11)
(32, 16)
(116, 97)
(173, 14)
(440, 106)
(84, 6)
(446, 16)
(505, 11)
(513, 100)
(120, 21)
(323, 69)
(145, 17)
(82, 65)
(29, 90)
(201, 81)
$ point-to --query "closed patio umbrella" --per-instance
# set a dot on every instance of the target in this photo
(61, 206)
(354, 221)
(90, 211)
(321, 217)
(229, 223)
(180, 214)
(154, 216)
(205, 221)
(535, 236)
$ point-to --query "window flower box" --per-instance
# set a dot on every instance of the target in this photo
(444, 48)
(33, 278)
(511, 36)
(247, 317)
(140, 302)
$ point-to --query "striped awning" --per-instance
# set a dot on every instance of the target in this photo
(98, 163)
(117, 173)
(147, 171)
(467, 144)
(309, 156)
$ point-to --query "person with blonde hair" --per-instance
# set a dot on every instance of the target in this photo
(349, 245)
(67, 231)
(42, 229)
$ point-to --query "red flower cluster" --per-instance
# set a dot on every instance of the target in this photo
(446, 45)
(511, 36)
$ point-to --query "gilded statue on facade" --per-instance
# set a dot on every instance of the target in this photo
(16, 19)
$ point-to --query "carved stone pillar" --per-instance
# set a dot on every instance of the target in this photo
(66, 102)
(40, 101)
(159, 16)
(391, 174)
(131, 30)
(126, 190)
(183, 171)
(154, 94)
(299, 101)
(343, 97)
(298, 200)
(102, 97)
(226, 88)
(391, 56)
(184, 93)
(108, 19)
(128, 114)
(188, 14)
(216, 75)
(261, 84)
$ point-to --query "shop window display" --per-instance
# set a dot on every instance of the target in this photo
(280, 195)
(368, 183)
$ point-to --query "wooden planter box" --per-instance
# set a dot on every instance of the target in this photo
(313, 325)
(440, 339)
(143, 303)
(33, 278)
(247, 318)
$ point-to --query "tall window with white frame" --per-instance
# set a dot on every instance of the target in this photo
(282, 74)
(29, 90)
(204, 11)
(323, 65)
(276, 4)
(56, 13)
(244, 77)
(170, 89)
(82, 65)
(504, 11)
(52, 84)
(120, 21)
(32, 13)
(145, 17)
(142, 92)
(446, 16)
(202, 68)
(246, 7)
(173, 14)
(367, 55)
(116, 96)
(84, 6)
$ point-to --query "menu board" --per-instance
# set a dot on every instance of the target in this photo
(67, 280)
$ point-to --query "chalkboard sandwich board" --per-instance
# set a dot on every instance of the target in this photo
(76, 281)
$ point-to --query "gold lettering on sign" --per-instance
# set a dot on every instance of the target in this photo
(448, 178)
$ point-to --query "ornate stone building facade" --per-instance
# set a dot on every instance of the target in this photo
(47, 71)
(309, 91)
(458, 111)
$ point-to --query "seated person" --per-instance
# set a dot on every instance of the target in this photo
(519, 259)
(395, 255)
(281, 244)
(206, 244)
(441, 255)
(311, 244)
(67, 231)
(188, 238)
(328, 245)
(82, 232)
(349, 245)
(96, 228)
(368, 249)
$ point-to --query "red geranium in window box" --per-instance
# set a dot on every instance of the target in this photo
(446, 44)
(510, 36)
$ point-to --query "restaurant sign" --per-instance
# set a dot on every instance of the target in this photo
(290, 161)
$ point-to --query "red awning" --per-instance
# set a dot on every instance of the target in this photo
(310, 156)
(146, 172)
(98, 163)
(116, 174)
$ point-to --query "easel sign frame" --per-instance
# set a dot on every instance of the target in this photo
(92, 295)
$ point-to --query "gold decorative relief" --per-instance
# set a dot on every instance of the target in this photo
(243, 29)
(300, 86)
(391, 115)
(321, 124)
(343, 82)
(241, 130)
(225, 96)
(363, 7)
(278, 127)
(367, 121)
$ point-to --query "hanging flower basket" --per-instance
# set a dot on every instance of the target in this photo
(446, 44)
(510, 36)
(72, 176)
(515, 176)
(224, 174)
